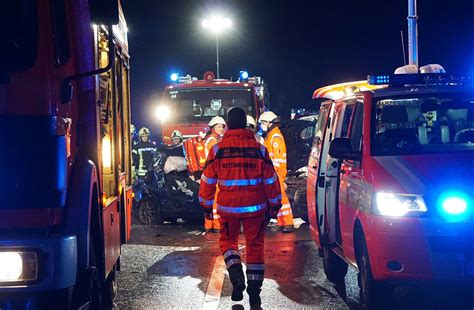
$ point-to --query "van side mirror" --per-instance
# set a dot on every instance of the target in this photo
(341, 148)
(104, 12)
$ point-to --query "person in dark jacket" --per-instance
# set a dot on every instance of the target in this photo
(142, 152)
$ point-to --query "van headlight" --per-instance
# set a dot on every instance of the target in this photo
(16, 266)
(398, 205)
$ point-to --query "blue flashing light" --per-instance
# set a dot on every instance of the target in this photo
(174, 77)
(244, 75)
(455, 206)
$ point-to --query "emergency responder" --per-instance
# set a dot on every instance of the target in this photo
(252, 125)
(276, 146)
(249, 191)
(217, 127)
(176, 146)
(142, 152)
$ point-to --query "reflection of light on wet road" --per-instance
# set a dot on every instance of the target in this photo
(213, 293)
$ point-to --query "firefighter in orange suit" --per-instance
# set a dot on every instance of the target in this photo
(249, 192)
(217, 128)
(276, 146)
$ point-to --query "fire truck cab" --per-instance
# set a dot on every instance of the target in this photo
(65, 180)
(389, 191)
(189, 104)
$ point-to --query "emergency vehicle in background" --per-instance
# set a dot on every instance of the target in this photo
(189, 104)
(389, 191)
(65, 194)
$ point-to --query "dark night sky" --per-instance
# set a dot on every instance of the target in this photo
(296, 46)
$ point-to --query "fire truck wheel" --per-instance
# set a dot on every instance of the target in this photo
(110, 289)
(334, 267)
(149, 213)
(373, 295)
(95, 284)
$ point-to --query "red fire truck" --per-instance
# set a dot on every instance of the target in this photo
(188, 104)
(65, 194)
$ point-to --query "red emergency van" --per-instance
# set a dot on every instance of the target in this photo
(389, 186)
(65, 180)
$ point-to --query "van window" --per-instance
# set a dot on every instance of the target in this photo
(356, 129)
(346, 119)
(423, 124)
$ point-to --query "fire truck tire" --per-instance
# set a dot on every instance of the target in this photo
(110, 289)
(149, 213)
(373, 295)
(95, 284)
(334, 267)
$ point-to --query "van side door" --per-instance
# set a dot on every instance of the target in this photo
(317, 172)
(342, 121)
(351, 188)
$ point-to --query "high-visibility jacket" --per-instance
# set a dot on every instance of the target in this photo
(276, 146)
(244, 172)
(142, 153)
(211, 140)
(275, 143)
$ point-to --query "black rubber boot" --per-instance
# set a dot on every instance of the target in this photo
(254, 289)
(237, 279)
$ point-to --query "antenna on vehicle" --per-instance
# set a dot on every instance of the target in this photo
(403, 49)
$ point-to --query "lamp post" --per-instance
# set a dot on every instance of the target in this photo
(217, 24)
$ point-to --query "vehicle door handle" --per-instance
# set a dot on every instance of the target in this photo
(321, 181)
(343, 171)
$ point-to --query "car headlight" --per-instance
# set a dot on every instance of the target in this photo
(398, 205)
(18, 266)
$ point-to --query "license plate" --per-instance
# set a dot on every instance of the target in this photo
(469, 269)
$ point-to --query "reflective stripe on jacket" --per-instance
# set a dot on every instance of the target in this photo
(244, 172)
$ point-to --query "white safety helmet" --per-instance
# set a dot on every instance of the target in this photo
(216, 120)
(144, 132)
(251, 121)
(176, 134)
(268, 116)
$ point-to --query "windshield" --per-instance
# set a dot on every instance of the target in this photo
(19, 43)
(203, 104)
(424, 124)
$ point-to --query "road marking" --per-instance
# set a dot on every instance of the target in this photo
(213, 293)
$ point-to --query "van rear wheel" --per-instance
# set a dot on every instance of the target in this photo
(373, 295)
(334, 267)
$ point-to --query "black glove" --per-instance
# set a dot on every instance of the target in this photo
(208, 213)
(274, 210)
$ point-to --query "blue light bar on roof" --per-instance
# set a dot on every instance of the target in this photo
(174, 77)
(243, 76)
(410, 79)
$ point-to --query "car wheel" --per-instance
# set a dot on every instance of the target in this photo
(110, 289)
(148, 213)
(373, 295)
(334, 267)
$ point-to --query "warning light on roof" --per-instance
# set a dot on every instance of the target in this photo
(174, 77)
(244, 75)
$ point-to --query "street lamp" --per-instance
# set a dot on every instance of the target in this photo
(217, 24)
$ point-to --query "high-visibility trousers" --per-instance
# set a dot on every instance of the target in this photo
(285, 215)
(254, 231)
(214, 223)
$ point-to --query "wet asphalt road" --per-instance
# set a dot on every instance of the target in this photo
(170, 267)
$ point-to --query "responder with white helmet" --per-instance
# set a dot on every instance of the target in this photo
(252, 125)
(176, 137)
(276, 146)
(142, 152)
(217, 127)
